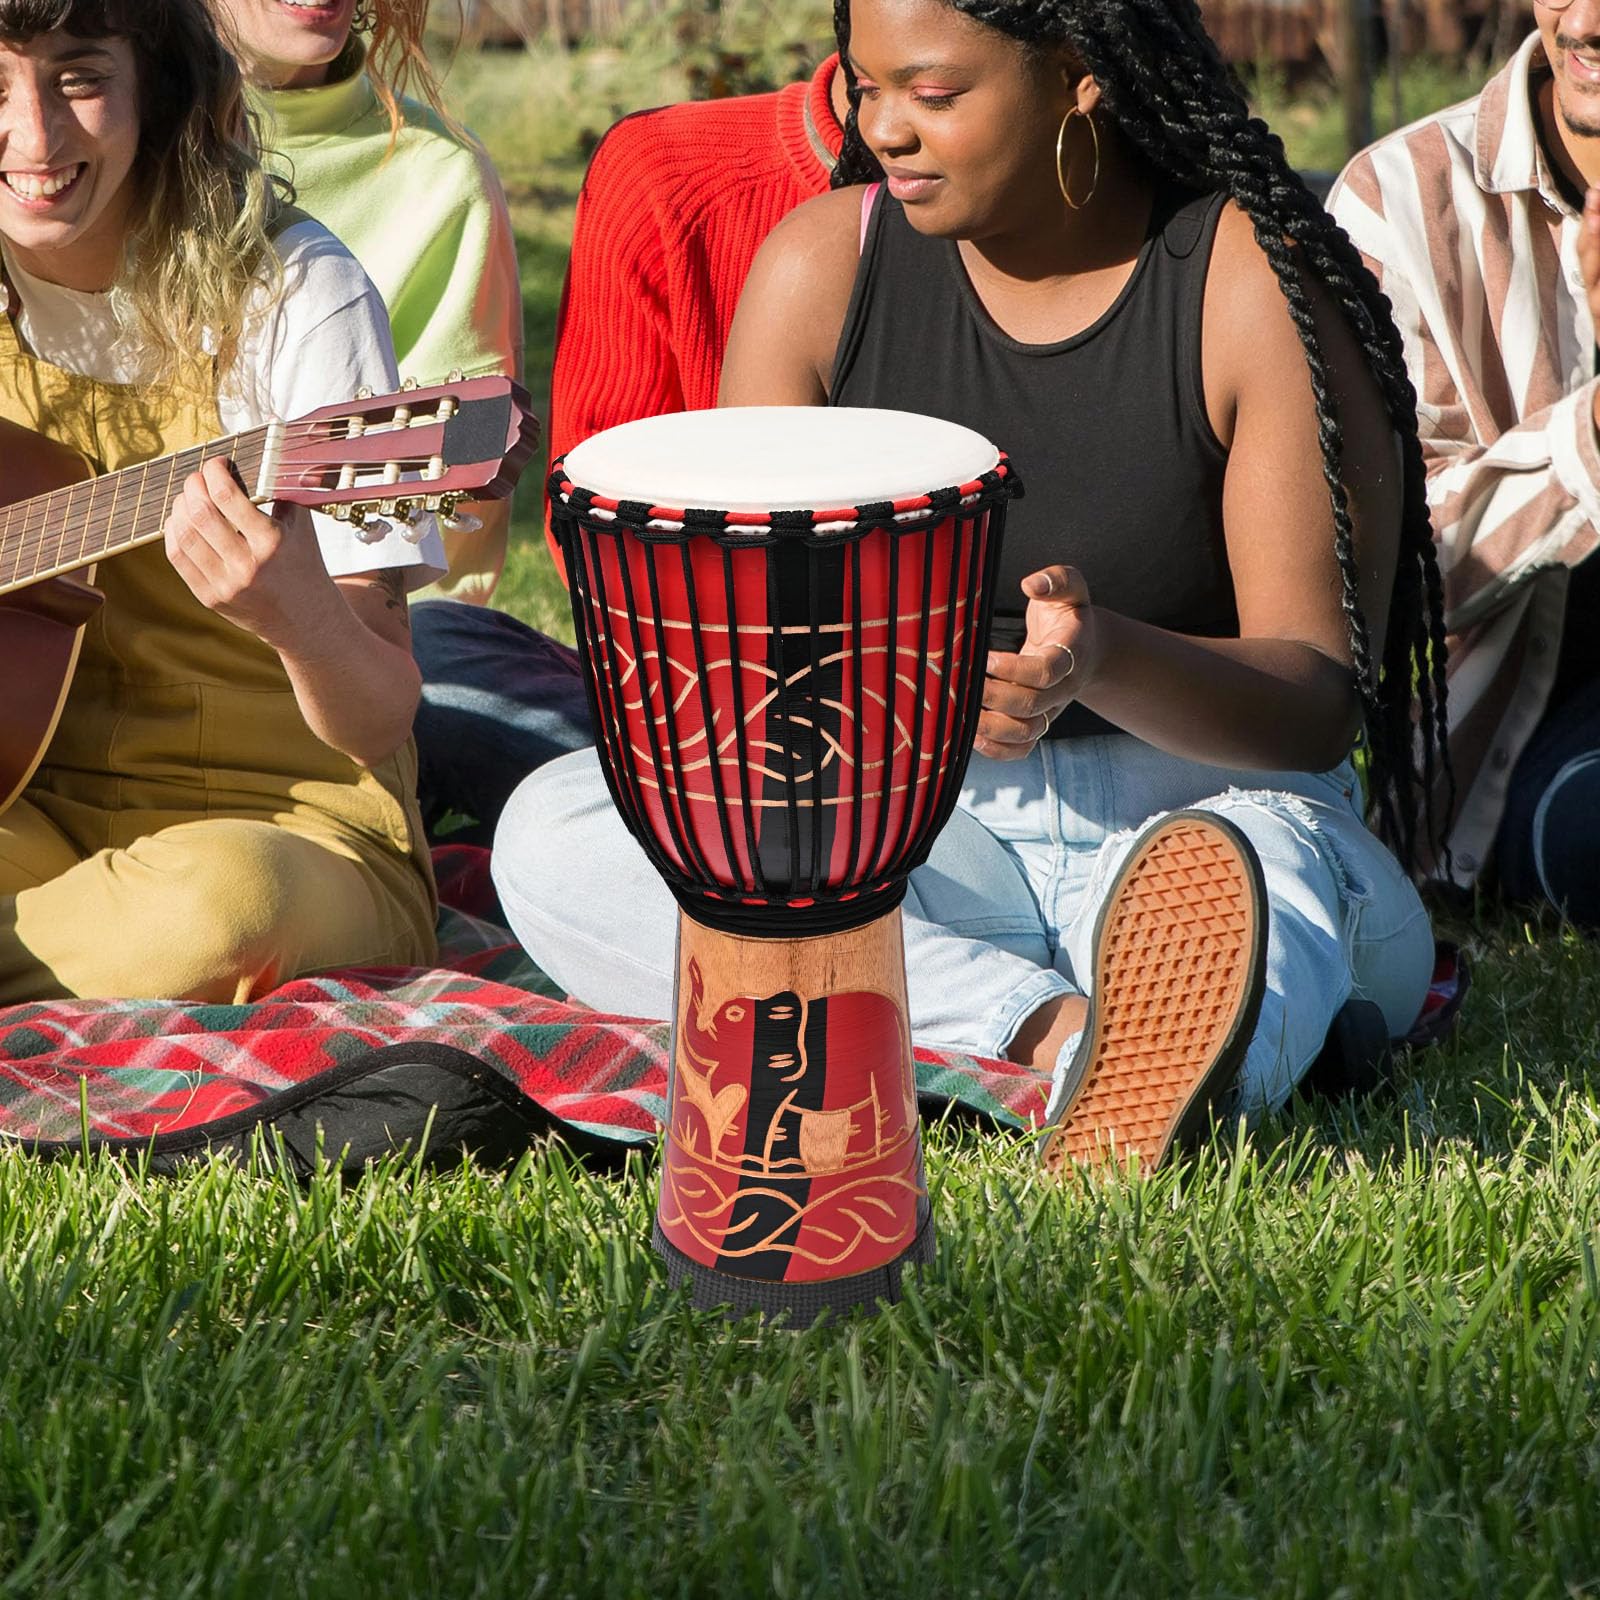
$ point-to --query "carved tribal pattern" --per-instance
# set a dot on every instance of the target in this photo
(775, 1151)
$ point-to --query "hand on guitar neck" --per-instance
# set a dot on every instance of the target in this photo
(345, 643)
(383, 456)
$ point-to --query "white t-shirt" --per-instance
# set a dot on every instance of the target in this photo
(322, 339)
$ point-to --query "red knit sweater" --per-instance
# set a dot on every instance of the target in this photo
(675, 205)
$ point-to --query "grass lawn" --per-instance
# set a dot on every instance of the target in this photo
(1351, 1353)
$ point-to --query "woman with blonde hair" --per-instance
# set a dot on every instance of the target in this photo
(229, 797)
(352, 114)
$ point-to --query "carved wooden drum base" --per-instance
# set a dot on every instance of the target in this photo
(792, 1177)
(800, 1304)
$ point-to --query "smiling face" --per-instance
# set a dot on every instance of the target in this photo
(69, 134)
(288, 44)
(961, 117)
(1572, 45)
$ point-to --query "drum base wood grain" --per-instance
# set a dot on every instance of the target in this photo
(792, 1176)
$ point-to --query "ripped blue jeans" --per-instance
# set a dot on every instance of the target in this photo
(1001, 917)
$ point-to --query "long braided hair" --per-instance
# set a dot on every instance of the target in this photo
(1179, 103)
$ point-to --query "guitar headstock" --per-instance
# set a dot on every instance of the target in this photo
(397, 454)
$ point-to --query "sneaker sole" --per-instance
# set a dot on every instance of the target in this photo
(1180, 962)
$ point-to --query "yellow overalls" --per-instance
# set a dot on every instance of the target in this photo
(188, 836)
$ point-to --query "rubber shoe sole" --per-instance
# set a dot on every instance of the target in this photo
(1180, 950)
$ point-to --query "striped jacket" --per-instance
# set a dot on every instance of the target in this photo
(1461, 220)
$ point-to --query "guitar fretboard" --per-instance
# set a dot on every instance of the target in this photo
(86, 522)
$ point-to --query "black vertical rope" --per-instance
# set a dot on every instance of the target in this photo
(919, 695)
(669, 809)
(957, 536)
(708, 712)
(780, 657)
(858, 671)
(818, 876)
(982, 539)
(736, 663)
(678, 772)
(585, 566)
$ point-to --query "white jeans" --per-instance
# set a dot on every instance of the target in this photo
(1000, 918)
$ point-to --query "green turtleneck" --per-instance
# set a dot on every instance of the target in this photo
(428, 221)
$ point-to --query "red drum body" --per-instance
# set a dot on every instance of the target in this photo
(785, 696)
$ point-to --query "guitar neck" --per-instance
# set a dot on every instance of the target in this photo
(85, 522)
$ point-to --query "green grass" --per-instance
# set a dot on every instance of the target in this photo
(1354, 1353)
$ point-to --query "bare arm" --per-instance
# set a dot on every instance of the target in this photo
(784, 334)
(1283, 694)
(345, 643)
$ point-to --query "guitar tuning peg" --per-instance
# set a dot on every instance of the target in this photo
(373, 529)
(408, 384)
(416, 524)
(456, 375)
(460, 522)
(364, 392)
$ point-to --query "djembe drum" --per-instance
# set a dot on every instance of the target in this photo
(783, 615)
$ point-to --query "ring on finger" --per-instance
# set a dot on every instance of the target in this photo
(1072, 660)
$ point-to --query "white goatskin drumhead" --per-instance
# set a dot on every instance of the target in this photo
(778, 458)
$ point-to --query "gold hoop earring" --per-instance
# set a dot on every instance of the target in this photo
(1061, 177)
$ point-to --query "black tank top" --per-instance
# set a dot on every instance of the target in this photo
(1108, 429)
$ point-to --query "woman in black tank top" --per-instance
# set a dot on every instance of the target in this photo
(917, 337)
(1221, 577)
(1159, 882)
(1060, 226)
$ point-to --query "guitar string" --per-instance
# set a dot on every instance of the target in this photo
(122, 526)
(130, 527)
(294, 433)
(51, 535)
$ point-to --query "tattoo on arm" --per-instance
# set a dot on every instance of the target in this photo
(393, 585)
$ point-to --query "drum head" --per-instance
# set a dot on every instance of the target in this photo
(779, 458)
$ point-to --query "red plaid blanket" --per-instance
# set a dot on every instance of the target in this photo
(130, 1071)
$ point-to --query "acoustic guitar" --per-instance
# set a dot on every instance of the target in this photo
(390, 456)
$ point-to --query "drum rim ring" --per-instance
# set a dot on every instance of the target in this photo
(755, 528)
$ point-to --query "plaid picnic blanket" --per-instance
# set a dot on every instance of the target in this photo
(482, 1052)
(493, 1032)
